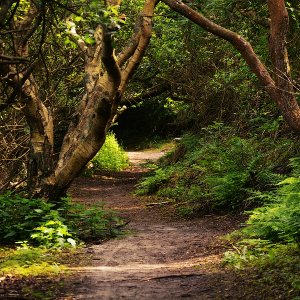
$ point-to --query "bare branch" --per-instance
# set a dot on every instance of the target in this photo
(75, 36)
(144, 39)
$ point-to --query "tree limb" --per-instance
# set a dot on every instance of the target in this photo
(109, 59)
(151, 92)
(285, 99)
(144, 39)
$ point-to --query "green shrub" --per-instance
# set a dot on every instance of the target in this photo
(38, 223)
(19, 216)
(270, 240)
(151, 184)
(278, 221)
(111, 156)
(218, 170)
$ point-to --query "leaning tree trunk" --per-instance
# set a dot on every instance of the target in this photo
(280, 89)
(38, 117)
(106, 77)
(106, 80)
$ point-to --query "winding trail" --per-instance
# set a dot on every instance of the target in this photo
(162, 257)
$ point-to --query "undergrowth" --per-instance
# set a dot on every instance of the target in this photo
(29, 261)
(39, 223)
(218, 170)
(35, 234)
(111, 157)
(269, 243)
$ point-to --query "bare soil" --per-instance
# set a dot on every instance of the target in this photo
(162, 256)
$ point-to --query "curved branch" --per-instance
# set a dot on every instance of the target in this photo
(144, 39)
(282, 94)
(126, 53)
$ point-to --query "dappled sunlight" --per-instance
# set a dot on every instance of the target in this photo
(197, 264)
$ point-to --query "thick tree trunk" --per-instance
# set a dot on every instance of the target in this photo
(280, 90)
(105, 82)
(105, 86)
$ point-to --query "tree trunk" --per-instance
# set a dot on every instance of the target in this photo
(284, 94)
(105, 81)
(105, 85)
(281, 89)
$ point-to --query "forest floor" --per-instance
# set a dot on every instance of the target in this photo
(161, 256)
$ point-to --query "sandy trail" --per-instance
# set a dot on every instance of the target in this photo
(161, 257)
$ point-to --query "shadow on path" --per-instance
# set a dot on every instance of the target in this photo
(162, 257)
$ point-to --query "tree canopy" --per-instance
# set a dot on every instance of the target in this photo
(65, 67)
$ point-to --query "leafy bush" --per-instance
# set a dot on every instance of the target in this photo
(38, 223)
(111, 156)
(270, 241)
(278, 221)
(92, 222)
(151, 184)
(19, 216)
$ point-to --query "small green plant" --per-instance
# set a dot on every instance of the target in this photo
(111, 157)
(38, 223)
(53, 234)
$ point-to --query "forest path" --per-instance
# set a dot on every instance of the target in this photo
(162, 257)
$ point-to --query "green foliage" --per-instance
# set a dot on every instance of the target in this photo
(270, 240)
(218, 170)
(279, 220)
(19, 216)
(53, 234)
(91, 223)
(29, 261)
(151, 184)
(37, 222)
(111, 156)
(275, 269)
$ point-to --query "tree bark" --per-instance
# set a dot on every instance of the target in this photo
(281, 89)
(285, 94)
(105, 81)
(105, 84)
(38, 117)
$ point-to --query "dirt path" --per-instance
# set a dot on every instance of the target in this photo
(162, 258)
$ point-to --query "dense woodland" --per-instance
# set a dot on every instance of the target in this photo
(221, 75)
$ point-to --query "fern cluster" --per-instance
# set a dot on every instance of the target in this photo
(218, 169)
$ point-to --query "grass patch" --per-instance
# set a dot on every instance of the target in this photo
(30, 262)
(273, 272)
